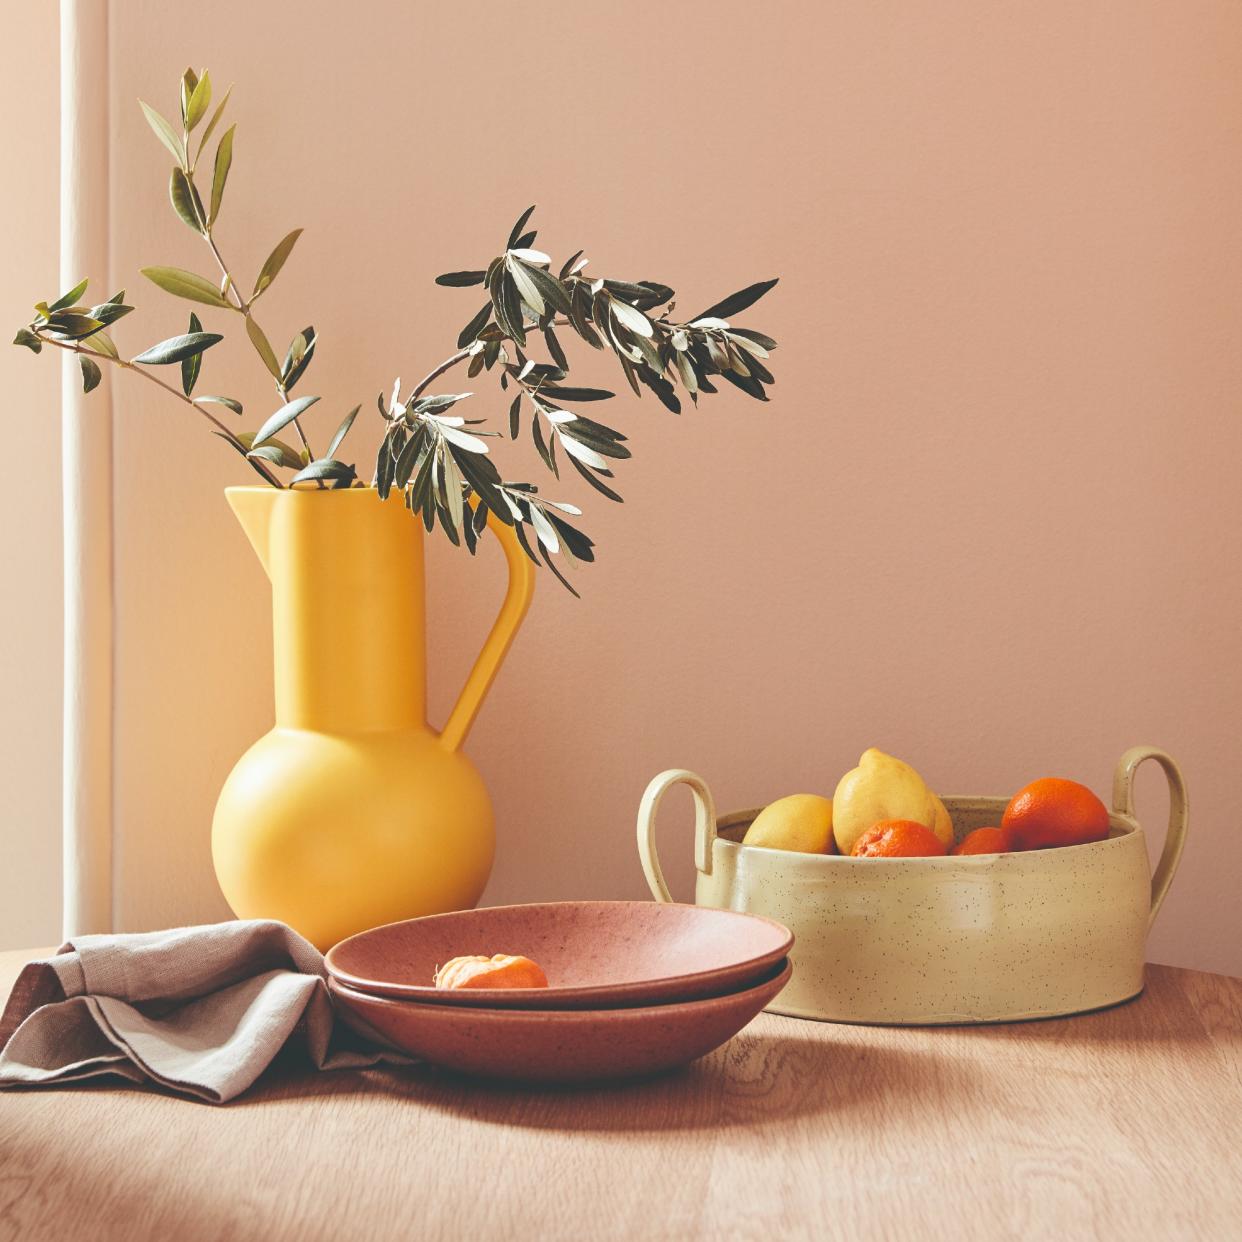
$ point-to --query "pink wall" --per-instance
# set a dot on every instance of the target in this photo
(30, 524)
(990, 520)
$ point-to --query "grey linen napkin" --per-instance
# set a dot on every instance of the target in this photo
(199, 1010)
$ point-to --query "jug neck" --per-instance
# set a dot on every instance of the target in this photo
(348, 612)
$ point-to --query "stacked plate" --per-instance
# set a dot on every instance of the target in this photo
(635, 987)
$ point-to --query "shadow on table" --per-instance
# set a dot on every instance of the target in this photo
(756, 1080)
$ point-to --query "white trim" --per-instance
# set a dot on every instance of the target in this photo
(87, 479)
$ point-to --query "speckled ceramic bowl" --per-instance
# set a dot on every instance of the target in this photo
(596, 954)
(984, 938)
(560, 1045)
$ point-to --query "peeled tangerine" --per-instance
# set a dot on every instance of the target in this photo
(799, 822)
(883, 788)
(502, 970)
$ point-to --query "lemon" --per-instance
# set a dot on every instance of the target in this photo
(799, 822)
(883, 787)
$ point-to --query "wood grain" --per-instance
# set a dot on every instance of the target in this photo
(1124, 1123)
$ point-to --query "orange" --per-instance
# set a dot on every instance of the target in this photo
(500, 971)
(1051, 812)
(989, 840)
(898, 838)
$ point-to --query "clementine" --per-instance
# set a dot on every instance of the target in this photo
(503, 970)
(898, 838)
(1051, 812)
(989, 840)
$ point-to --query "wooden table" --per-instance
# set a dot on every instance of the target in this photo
(1122, 1124)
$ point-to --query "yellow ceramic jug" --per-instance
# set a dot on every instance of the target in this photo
(353, 811)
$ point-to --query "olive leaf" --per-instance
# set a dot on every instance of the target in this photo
(461, 280)
(527, 256)
(521, 275)
(279, 454)
(474, 327)
(554, 348)
(282, 418)
(71, 326)
(110, 312)
(91, 374)
(543, 448)
(186, 285)
(452, 491)
(227, 402)
(516, 232)
(461, 439)
(199, 101)
(645, 295)
(575, 394)
(420, 489)
(549, 288)
(736, 302)
(582, 548)
(481, 474)
(297, 359)
(101, 343)
(522, 538)
(512, 304)
(185, 200)
(263, 347)
(384, 468)
(28, 339)
(342, 431)
(189, 80)
(275, 261)
(758, 338)
(551, 564)
(631, 318)
(69, 299)
(190, 366)
(220, 175)
(505, 303)
(596, 435)
(326, 468)
(593, 477)
(468, 531)
(215, 120)
(164, 132)
(178, 347)
(588, 456)
(544, 529)
(410, 456)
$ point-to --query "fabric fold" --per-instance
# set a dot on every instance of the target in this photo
(201, 1011)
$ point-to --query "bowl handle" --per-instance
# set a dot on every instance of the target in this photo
(704, 827)
(1175, 838)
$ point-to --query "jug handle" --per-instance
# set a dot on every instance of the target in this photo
(704, 827)
(1179, 813)
(512, 612)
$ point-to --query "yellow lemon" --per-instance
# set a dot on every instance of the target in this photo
(881, 788)
(799, 822)
(942, 825)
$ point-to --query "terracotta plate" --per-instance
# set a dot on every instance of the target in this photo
(596, 954)
(560, 1045)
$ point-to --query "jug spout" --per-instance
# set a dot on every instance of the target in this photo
(254, 507)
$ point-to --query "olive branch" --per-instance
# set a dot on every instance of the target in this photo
(438, 460)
